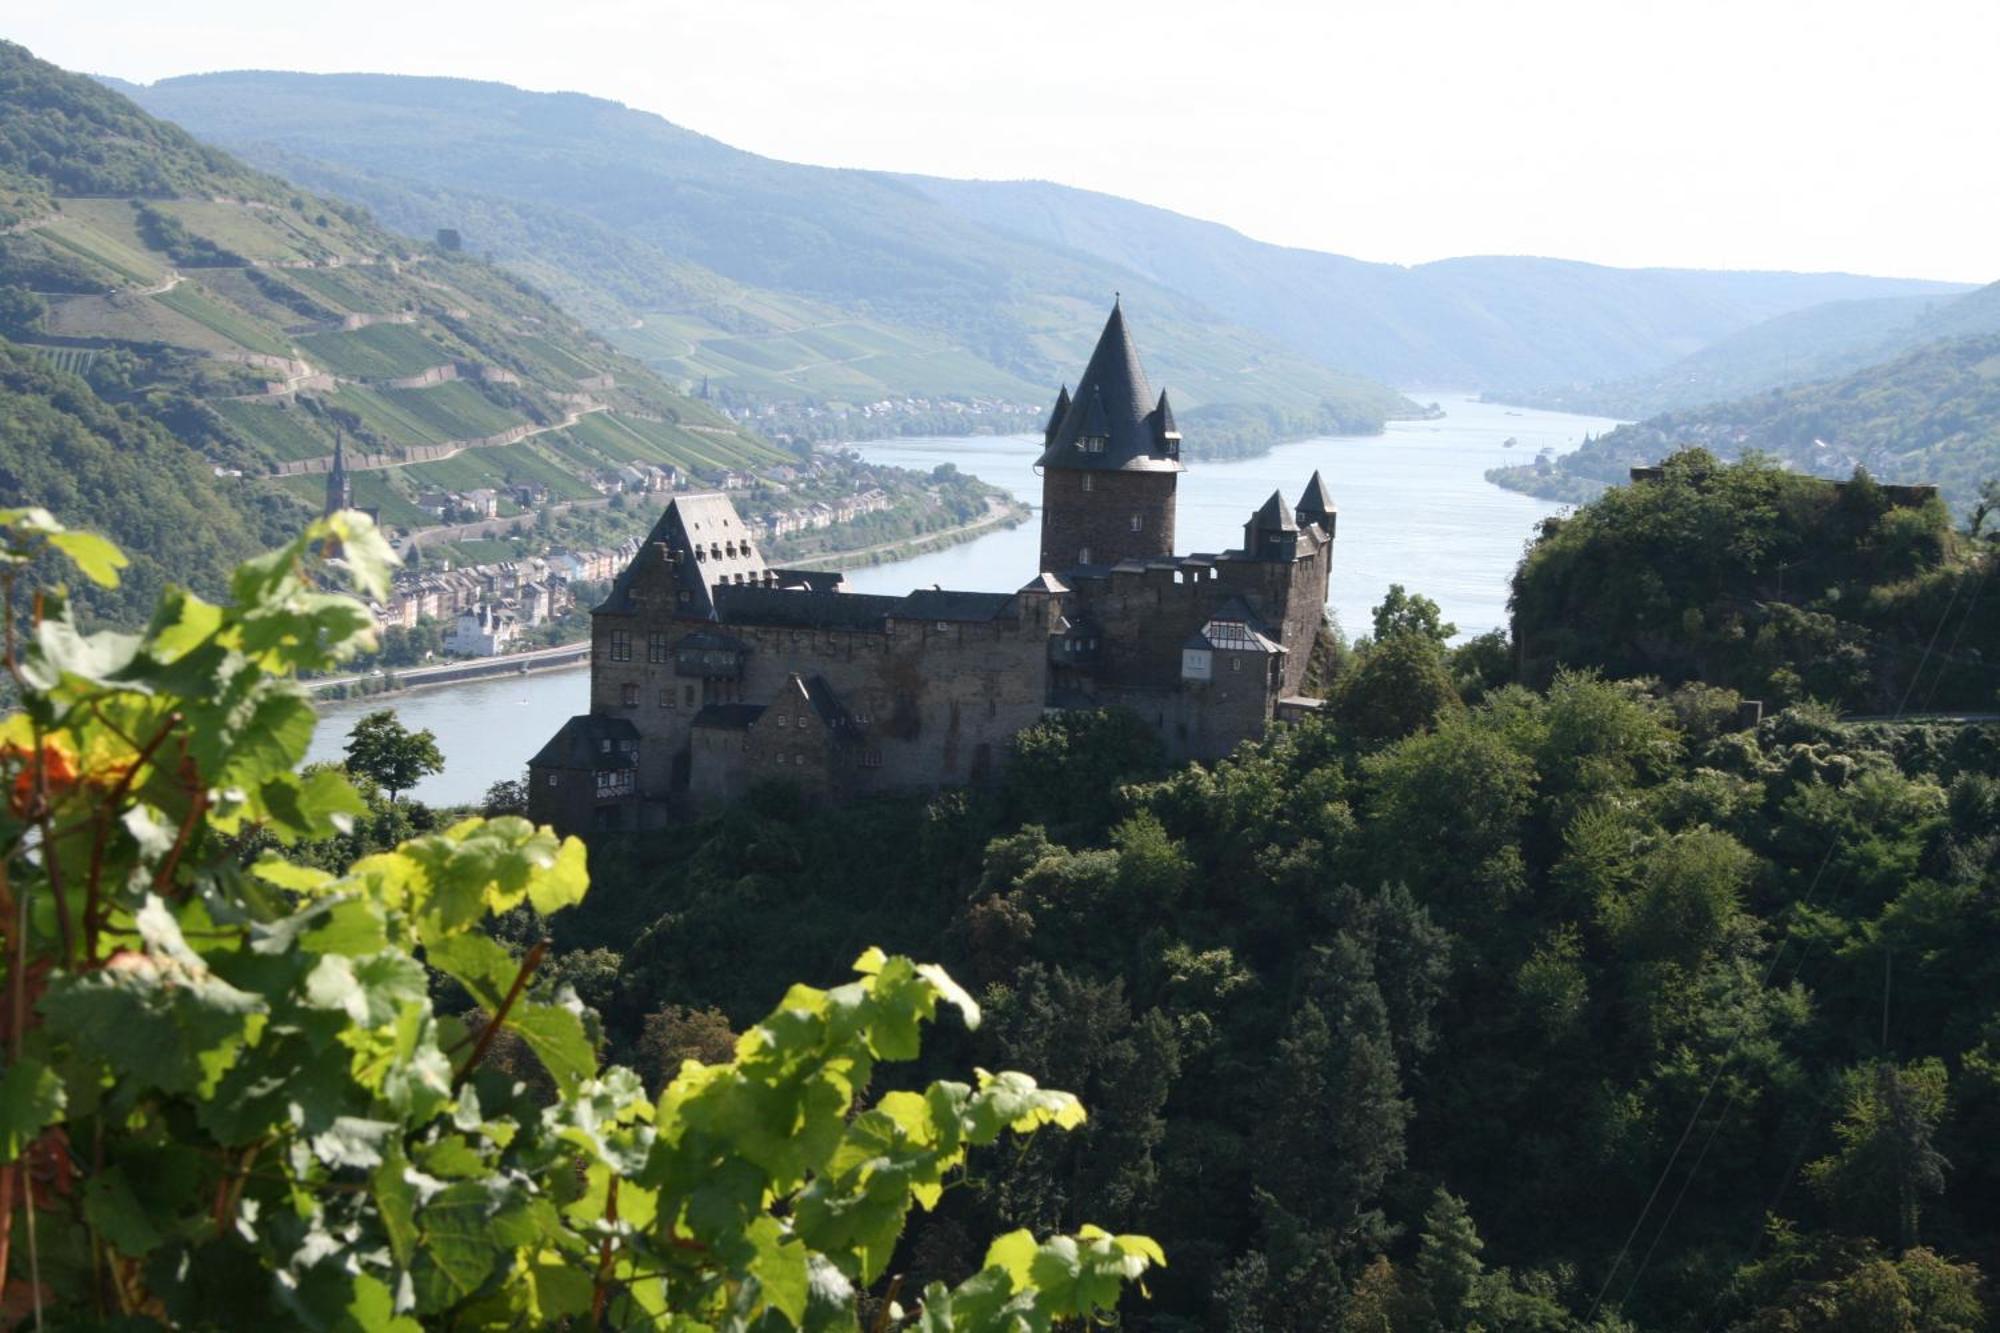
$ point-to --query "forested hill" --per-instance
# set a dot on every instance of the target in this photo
(1585, 1004)
(223, 312)
(1817, 343)
(1932, 415)
(999, 267)
(783, 283)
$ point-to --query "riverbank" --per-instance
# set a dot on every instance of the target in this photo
(999, 513)
(560, 657)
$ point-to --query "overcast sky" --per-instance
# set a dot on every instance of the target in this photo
(1746, 134)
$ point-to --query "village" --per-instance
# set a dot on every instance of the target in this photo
(489, 608)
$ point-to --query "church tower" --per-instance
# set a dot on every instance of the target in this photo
(1111, 462)
(339, 490)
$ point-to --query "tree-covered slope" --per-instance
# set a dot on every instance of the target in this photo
(1750, 577)
(784, 281)
(118, 471)
(1932, 415)
(259, 322)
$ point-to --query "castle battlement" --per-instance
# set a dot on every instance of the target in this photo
(712, 672)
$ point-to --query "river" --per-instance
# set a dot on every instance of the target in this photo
(1415, 509)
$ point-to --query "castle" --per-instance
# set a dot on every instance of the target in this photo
(712, 672)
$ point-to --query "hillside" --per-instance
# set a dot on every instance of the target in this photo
(257, 323)
(1932, 415)
(977, 262)
(777, 282)
(1476, 321)
(1819, 342)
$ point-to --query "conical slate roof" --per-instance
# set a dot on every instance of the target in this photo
(1275, 516)
(1317, 502)
(1113, 404)
(1056, 417)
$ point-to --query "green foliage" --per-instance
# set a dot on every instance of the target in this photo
(1887, 1159)
(282, 1128)
(1410, 613)
(1519, 954)
(1750, 577)
(381, 748)
(1399, 684)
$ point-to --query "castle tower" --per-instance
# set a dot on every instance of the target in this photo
(339, 489)
(1316, 505)
(1111, 461)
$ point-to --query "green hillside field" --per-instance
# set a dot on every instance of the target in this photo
(212, 300)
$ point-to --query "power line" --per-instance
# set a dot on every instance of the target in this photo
(1729, 1056)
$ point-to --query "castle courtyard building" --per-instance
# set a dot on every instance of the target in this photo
(712, 672)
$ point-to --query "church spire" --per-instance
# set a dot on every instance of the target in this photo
(339, 490)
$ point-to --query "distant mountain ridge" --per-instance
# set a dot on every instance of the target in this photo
(1819, 342)
(786, 280)
(1480, 321)
(1930, 415)
(1011, 274)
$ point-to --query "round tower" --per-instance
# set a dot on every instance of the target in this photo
(1111, 463)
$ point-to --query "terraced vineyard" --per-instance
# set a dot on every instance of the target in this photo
(260, 323)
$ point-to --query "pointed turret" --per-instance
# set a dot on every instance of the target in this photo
(1165, 432)
(1274, 516)
(1316, 505)
(1272, 532)
(1056, 417)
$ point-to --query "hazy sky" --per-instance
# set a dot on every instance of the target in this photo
(1746, 134)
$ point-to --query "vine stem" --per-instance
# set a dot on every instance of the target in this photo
(499, 1019)
(603, 1293)
(93, 884)
(17, 977)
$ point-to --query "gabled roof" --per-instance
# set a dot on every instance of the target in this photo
(1164, 417)
(1317, 502)
(813, 694)
(1045, 582)
(1275, 516)
(728, 717)
(1232, 627)
(799, 608)
(1113, 403)
(580, 744)
(713, 545)
(947, 604)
